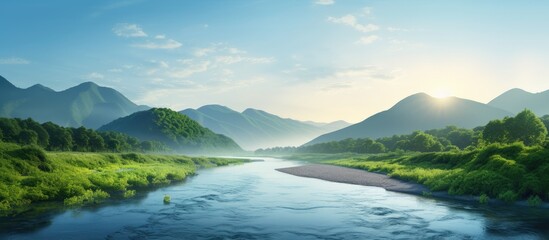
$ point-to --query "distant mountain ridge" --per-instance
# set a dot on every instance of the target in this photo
(516, 100)
(86, 104)
(418, 112)
(176, 130)
(255, 128)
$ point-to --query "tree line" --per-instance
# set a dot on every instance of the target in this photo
(525, 127)
(53, 137)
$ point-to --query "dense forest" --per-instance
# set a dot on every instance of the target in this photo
(53, 137)
(525, 127)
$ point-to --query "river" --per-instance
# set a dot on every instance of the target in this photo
(253, 201)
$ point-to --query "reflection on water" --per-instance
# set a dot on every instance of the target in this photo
(253, 201)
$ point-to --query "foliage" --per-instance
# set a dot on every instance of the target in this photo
(483, 199)
(524, 127)
(534, 201)
(29, 175)
(56, 138)
(167, 199)
(504, 171)
(173, 129)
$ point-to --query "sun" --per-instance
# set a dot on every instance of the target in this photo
(441, 93)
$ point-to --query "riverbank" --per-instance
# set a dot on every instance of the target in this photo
(348, 175)
(29, 175)
(354, 176)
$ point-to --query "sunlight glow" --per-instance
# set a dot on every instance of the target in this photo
(441, 93)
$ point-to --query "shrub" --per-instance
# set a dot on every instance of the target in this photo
(167, 199)
(508, 196)
(89, 197)
(483, 199)
(129, 193)
(534, 201)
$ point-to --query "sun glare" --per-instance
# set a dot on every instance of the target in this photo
(441, 93)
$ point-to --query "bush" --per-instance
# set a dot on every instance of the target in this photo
(167, 199)
(534, 201)
(89, 197)
(483, 199)
(129, 194)
(508, 196)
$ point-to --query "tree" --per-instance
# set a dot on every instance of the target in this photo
(528, 128)
(43, 136)
(495, 131)
(60, 138)
(28, 137)
(81, 140)
(461, 137)
(95, 141)
(10, 129)
(525, 127)
(421, 142)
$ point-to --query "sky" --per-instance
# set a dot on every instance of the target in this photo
(321, 60)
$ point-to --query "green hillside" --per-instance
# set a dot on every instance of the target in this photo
(418, 112)
(86, 105)
(177, 131)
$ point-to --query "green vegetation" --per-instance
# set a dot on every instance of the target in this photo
(53, 137)
(525, 127)
(507, 159)
(437, 140)
(176, 130)
(167, 199)
(483, 199)
(30, 175)
(507, 172)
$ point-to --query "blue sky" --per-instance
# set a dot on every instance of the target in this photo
(317, 60)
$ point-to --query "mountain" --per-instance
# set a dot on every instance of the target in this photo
(86, 105)
(516, 100)
(177, 131)
(418, 112)
(254, 128)
(331, 126)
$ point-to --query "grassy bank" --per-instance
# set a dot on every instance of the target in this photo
(30, 175)
(506, 172)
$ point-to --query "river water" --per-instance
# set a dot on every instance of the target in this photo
(253, 201)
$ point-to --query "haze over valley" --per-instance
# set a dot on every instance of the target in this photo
(274, 119)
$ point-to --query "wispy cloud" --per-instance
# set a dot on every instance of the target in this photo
(324, 2)
(231, 59)
(164, 44)
(348, 78)
(190, 68)
(93, 76)
(128, 30)
(368, 39)
(351, 20)
(13, 61)
(396, 29)
(201, 52)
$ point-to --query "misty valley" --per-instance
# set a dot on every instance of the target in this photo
(274, 119)
(142, 175)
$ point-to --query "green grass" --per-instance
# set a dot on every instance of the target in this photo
(30, 175)
(507, 172)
